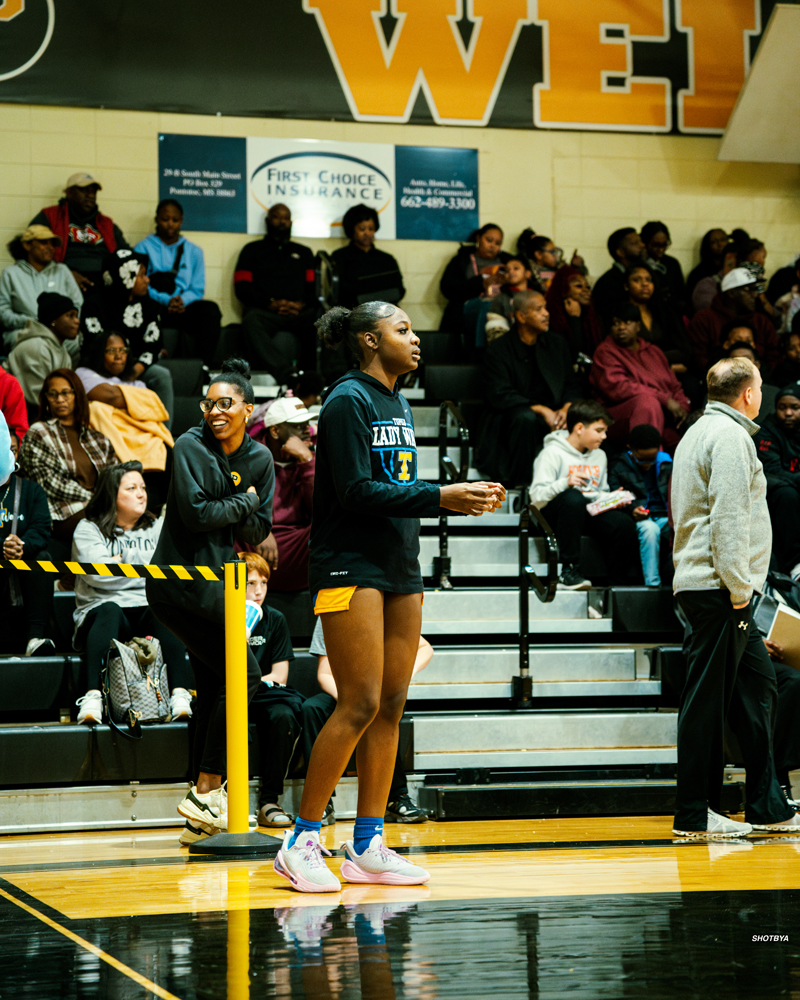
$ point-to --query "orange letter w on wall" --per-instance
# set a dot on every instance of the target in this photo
(10, 8)
(381, 81)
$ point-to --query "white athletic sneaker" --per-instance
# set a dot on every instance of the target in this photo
(192, 832)
(791, 825)
(180, 704)
(304, 866)
(379, 864)
(40, 647)
(210, 808)
(718, 826)
(91, 708)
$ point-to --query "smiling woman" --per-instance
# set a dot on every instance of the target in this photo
(220, 492)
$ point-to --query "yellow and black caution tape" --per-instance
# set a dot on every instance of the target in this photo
(130, 570)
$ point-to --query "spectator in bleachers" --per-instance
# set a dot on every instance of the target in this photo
(276, 707)
(177, 273)
(659, 324)
(24, 534)
(12, 404)
(736, 300)
(499, 310)
(657, 240)
(645, 470)
(34, 272)
(545, 258)
(274, 281)
(783, 292)
(627, 250)
(472, 273)
(572, 312)
(64, 455)
(569, 473)
(633, 379)
(86, 234)
(41, 346)
(124, 307)
(769, 393)
(788, 370)
(707, 288)
(366, 274)
(778, 445)
(316, 711)
(118, 528)
(284, 429)
(308, 388)
(713, 248)
(530, 387)
(7, 458)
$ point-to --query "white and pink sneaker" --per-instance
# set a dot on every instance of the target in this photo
(303, 864)
(378, 864)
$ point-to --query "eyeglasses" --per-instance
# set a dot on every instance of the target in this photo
(661, 244)
(223, 403)
(116, 352)
(54, 394)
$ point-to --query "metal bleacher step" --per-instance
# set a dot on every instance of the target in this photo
(481, 556)
(452, 740)
(478, 611)
(461, 672)
(428, 462)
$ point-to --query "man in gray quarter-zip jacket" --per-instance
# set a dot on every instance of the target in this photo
(722, 547)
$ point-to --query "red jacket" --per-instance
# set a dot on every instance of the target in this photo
(58, 218)
(12, 403)
(705, 331)
(619, 374)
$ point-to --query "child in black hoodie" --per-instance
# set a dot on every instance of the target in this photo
(365, 580)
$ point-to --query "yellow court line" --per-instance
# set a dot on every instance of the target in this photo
(113, 962)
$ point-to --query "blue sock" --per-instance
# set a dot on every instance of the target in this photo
(365, 829)
(304, 826)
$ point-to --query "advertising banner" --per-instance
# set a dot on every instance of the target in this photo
(227, 185)
(608, 65)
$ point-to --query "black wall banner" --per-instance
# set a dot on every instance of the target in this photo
(616, 65)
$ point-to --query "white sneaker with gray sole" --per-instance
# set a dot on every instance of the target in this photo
(718, 826)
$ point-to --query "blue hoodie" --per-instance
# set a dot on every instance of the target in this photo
(190, 281)
(7, 462)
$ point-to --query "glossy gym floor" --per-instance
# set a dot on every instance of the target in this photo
(594, 908)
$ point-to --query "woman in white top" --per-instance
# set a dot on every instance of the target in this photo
(119, 528)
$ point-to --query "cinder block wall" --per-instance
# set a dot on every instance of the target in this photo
(573, 186)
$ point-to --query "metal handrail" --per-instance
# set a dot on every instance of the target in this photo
(545, 590)
(448, 473)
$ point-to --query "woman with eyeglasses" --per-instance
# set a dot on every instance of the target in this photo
(671, 284)
(64, 455)
(220, 492)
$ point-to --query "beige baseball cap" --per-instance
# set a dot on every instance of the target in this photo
(39, 233)
(286, 410)
(82, 181)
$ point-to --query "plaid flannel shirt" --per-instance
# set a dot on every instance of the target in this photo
(46, 457)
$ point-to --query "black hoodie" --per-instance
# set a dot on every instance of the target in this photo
(779, 451)
(367, 500)
(208, 507)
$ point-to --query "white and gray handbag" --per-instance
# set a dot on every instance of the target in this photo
(135, 685)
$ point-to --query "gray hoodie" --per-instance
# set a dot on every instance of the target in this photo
(555, 462)
(20, 288)
(723, 536)
(37, 352)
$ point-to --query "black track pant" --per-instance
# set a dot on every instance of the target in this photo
(278, 727)
(784, 513)
(614, 530)
(729, 674)
(316, 712)
(205, 643)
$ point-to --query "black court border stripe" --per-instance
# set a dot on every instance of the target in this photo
(202, 859)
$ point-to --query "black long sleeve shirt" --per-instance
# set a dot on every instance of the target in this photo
(208, 508)
(367, 276)
(268, 269)
(367, 499)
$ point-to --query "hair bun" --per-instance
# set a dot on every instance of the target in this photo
(332, 326)
(238, 365)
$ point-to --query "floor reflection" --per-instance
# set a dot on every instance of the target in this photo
(688, 945)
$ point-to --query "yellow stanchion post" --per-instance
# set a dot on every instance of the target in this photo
(238, 934)
(238, 839)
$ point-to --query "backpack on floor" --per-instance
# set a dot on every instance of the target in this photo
(135, 686)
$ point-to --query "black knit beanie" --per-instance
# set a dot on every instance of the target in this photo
(52, 305)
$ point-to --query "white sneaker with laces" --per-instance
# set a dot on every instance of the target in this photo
(210, 808)
(180, 704)
(378, 864)
(91, 708)
(791, 825)
(41, 647)
(192, 832)
(718, 826)
(303, 864)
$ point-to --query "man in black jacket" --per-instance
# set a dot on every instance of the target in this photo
(778, 446)
(626, 249)
(274, 281)
(530, 387)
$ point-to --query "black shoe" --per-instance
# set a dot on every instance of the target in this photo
(572, 579)
(329, 816)
(787, 791)
(403, 810)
